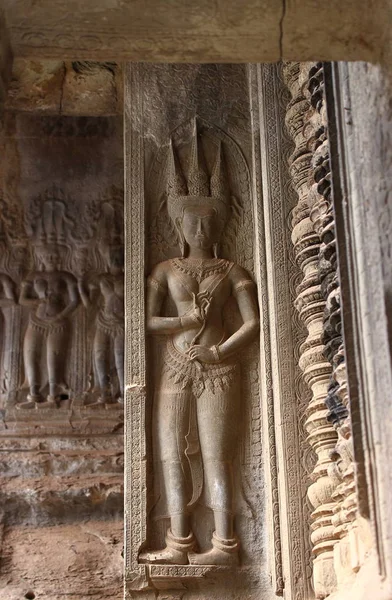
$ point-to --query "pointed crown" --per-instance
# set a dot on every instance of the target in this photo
(198, 189)
(48, 219)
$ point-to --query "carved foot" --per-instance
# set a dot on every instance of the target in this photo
(100, 403)
(223, 552)
(175, 553)
(50, 402)
(32, 401)
(115, 403)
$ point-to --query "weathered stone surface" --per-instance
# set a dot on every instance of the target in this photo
(202, 31)
(48, 499)
(188, 31)
(62, 562)
(36, 85)
(65, 88)
(60, 479)
(91, 88)
(61, 463)
(365, 231)
(332, 31)
(55, 456)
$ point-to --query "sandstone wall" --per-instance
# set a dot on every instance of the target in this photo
(61, 468)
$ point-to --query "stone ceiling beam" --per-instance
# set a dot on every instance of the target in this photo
(196, 30)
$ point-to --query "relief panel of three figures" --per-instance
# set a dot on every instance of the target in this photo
(62, 297)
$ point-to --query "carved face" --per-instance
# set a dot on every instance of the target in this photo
(20, 257)
(82, 260)
(49, 256)
(199, 227)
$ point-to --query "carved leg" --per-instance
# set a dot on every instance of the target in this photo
(119, 359)
(218, 432)
(56, 354)
(171, 422)
(101, 351)
(32, 345)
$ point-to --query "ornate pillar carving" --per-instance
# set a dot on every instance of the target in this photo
(349, 548)
(340, 537)
(303, 124)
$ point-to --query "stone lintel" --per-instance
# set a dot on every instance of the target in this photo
(196, 30)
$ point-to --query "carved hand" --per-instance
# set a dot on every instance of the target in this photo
(196, 316)
(203, 354)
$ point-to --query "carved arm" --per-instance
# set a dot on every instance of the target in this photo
(158, 325)
(25, 298)
(9, 298)
(87, 293)
(247, 304)
(73, 299)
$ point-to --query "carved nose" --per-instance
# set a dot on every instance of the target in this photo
(199, 230)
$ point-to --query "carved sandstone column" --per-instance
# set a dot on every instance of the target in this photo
(350, 534)
(311, 305)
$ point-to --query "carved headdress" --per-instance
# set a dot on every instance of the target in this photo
(198, 189)
(48, 221)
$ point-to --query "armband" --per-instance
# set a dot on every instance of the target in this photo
(156, 285)
(242, 285)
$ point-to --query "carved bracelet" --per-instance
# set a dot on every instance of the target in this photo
(215, 352)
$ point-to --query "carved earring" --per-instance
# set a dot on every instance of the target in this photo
(215, 250)
(181, 239)
(183, 248)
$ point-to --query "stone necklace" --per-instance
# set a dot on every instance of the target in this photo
(200, 268)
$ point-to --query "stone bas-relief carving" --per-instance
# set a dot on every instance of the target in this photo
(51, 295)
(198, 396)
(62, 463)
(61, 317)
(106, 292)
(7, 288)
(218, 95)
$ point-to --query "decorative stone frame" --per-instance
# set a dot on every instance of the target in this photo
(283, 396)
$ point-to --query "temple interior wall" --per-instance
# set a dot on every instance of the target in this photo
(64, 532)
(367, 128)
(62, 468)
